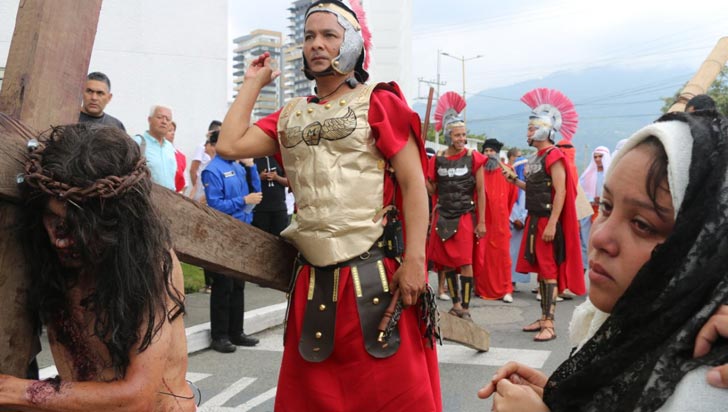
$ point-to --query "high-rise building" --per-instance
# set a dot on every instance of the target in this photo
(295, 82)
(391, 24)
(248, 48)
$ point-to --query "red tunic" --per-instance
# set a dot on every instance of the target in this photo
(570, 273)
(179, 177)
(456, 251)
(492, 258)
(351, 379)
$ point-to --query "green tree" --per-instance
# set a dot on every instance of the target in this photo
(718, 91)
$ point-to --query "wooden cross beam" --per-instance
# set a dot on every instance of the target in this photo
(47, 66)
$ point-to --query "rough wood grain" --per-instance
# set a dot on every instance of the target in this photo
(464, 332)
(705, 76)
(46, 70)
(48, 59)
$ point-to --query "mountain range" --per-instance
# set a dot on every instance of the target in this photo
(612, 103)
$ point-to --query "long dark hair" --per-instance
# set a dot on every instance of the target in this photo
(123, 244)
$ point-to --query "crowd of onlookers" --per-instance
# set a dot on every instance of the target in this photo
(253, 191)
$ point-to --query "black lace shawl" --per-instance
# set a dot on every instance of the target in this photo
(638, 356)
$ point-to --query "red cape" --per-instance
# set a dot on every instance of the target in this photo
(491, 254)
(571, 271)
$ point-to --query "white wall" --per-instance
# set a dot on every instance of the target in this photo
(172, 52)
(391, 25)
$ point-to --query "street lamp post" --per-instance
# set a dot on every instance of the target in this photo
(462, 61)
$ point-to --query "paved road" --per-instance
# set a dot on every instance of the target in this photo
(246, 380)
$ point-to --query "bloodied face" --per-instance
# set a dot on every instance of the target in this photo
(59, 233)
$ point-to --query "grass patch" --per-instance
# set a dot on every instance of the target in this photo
(194, 278)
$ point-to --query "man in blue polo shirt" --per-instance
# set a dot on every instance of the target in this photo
(155, 147)
(233, 189)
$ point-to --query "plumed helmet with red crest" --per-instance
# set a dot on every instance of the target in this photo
(447, 114)
(552, 112)
(354, 51)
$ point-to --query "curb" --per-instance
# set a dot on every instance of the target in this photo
(257, 320)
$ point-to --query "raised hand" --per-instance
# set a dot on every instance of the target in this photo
(260, 70)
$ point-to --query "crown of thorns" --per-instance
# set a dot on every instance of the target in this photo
(103, 188)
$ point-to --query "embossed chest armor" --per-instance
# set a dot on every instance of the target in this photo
(539, 199)
(337, 175)
(455, 184)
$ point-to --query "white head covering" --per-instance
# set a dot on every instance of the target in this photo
(588, 179)
(677, 141)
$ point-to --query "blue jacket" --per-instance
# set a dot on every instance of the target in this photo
(226, 184)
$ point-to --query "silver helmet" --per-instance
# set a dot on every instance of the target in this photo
(351, 52)
(547, 121)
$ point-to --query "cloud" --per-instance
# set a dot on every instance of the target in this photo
(529, 42)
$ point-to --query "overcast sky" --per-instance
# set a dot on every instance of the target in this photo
(521, 40)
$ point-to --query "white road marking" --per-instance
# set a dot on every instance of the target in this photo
(262, 398)
(196, 377)
(226, 394)
(456, 354)
(48, 372)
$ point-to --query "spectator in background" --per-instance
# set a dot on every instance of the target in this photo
(96, 95)
(700, 102)
(202, 159)
(491, 258)
(592, 180)
(271, 215)
(155, 147)
(203, 154)
(518, 214)
(179, 177)
(290, 204)
(228, 191)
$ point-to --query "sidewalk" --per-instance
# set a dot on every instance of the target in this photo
(264, 308)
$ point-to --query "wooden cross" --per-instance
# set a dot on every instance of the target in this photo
(47, 66)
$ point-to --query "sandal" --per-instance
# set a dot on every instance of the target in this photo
(535, 326)
(465, 315)
(551, 334)
(456, 312)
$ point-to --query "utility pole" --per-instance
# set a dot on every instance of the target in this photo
(462, 60)
(421, 80)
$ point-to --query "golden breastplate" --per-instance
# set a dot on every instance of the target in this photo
(337, 175)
